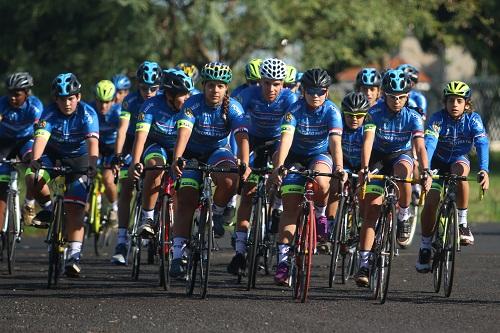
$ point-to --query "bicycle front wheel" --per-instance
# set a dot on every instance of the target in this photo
(10, 233)
(164, 242)
(56, 250)
(387, 254)
(205, 247)
(310, 247)
(450, 249)
(438, 249)
(255, 243)
(336, 239)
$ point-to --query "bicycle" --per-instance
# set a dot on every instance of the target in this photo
(345, 236)
(12, 228)
(164, 221)
(200, 244)
(135, 241)
(304, 242)
(384, 246)
(446, 241)
(55, 234)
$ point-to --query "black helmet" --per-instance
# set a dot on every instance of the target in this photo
(316, 78)
(18, 81)
(355, 102)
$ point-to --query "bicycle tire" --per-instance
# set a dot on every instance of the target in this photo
(193, 258)
(10, 233)
(438, 248)
(55, 244)
(135, 240)
(256, 240)
(335, 241)
(350, 258)
(310, 247)
(164, 243)
(450, 249)
(205, 249)
(297, 259)
(389, 245)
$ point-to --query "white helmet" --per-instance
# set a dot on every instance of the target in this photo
(273, 69)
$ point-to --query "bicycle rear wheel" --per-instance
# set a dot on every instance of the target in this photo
(56, 252)
(135, 247)
(387, 253)
(310, 246)
(450, 249)
(205, 247)
(438, 249)
(164, 242)
(10, 233)
(255, 243)
(349, 260)
(336, 239)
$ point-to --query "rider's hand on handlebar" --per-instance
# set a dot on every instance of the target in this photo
(484, 180)
(177, 167)
(136, 170)
(278, 174)
(426, 180)
(35, 164)
(362, 176)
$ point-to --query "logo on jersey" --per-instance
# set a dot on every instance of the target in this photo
(40, 124)
(140, 116)
(189, 113)
(436, 127)
(288, 117)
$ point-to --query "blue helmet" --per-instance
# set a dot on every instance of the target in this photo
(396, 81)
(368, 77)
(176, 81)
(298, 77)
(149, 72)
(409, 70)
(121, 82)
(65, 84)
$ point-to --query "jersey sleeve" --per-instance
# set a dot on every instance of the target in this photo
(91, 123)
(145, 117)
(36, 110)
(124, 112)
(369, 123)
(186, 118)
(334, 121)
(432, 135)
(239, 123)
(417, 129)
(481, 142)
(288, 123)
(43, 127)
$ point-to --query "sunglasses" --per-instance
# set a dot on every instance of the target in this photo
(396, 98)
(355, 115)
(147, 88)
(316, 91)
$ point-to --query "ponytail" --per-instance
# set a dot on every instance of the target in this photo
(225, 108)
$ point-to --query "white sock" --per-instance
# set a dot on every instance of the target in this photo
(218, 210)
(278, 203)
(114, 206)
(426, 242)
(241, 242)
(462, 217)
(74, 249)
(404, 213)
(319, 211)
(47, 205)
(232, 202)
(148, 214)
(122, 235)
(29, 202)
(179, 247)
(364, 256)
(283, 250)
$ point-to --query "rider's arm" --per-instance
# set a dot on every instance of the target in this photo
(481, 143)
(432, 136)
(41, 137)
(243, 147)
(418, 143)
(288, 124)
(184, 128)
(368, 139)
(239, 127)
(335, 145)
(93, 148)
(122, 131)
(144, 122)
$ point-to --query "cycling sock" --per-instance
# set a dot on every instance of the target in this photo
(404, 213)
(426, 242)
(218, 210)
(148, 214)
(241, 242)
(462, 217)
(114, 206)
(75, 248)
(29, 202)
(179, 246)
(283, 252)
(319, 211)
(232, 202)
(122, 235)
(364, 256)
(278, 203)
(47, 205)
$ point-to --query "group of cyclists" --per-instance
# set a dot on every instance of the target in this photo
(380, 125)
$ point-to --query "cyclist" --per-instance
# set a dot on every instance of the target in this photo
(252, 76)
(416, 99)
(202, 133)
(191, 71)
(149, 77)
(68, 132)
(311, 133)
(108, 114)
(156, 126)
(264, 105)
(122, 86)
(19, 110)
(290, 78)
(389, 129)
(368, 81)
(449, 137)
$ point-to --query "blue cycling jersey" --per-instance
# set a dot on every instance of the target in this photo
(393, 131)
(352, 141)
(209, 130)
(311, 128)
(447, 139)
(18, 123)
(67, 135)
(158, 119)
(108, 123)
(239, 89)
(264, 118)
(130, 109)
(418, 101)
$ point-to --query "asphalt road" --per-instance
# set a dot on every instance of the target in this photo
(105, 299)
